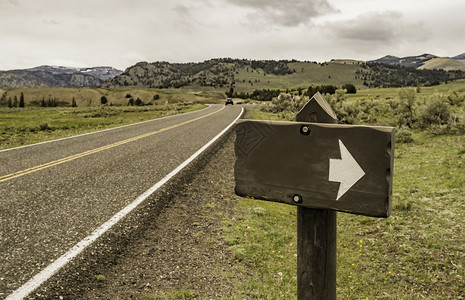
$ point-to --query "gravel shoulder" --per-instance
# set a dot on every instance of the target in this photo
(182, 252)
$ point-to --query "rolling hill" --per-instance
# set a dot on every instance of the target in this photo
(425, 61)
(444, 63)
(246, 76)
(242, 75)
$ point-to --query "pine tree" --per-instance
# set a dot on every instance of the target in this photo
(103, 100)
(21, 100)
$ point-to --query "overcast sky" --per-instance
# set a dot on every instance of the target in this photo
(82, 33)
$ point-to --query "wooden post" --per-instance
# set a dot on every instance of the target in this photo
(321, 168)
(316, 228)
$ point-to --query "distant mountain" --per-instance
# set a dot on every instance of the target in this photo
(388, 59)
(57, 76)
(459, 57)
(425, 61)
(409, 61)
(103, 73)
(22, 78)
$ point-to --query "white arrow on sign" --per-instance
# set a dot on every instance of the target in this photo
(345, 170)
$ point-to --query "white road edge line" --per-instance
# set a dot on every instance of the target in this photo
(103, 130)
(51, 269)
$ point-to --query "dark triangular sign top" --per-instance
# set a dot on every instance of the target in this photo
(317, 110)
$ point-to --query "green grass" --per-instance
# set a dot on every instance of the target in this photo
(262, 239)
(306, 74)
(257, 114)
(178, 294)
(100, 277)
(416, 253)
(31, 125)
(90, 97)
(391, 93)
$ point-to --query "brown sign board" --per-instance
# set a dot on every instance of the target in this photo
(328, 166)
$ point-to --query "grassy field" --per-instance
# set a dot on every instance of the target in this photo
(416, 253)
(21, 126)
(91, 97)
(444, 63)
(306, 74)
(392, 93)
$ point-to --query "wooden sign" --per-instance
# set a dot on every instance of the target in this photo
(326, 166)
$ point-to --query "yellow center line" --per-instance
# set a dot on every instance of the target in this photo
(96, 150)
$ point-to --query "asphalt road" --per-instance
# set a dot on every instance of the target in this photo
(53, 195)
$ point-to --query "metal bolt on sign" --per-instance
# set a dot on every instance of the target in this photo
(321, 167)
(305, 130)
(297, 198)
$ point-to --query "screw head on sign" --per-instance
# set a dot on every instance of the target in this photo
(305, 130)
(297, 198)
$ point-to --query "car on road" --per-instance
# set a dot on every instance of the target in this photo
(229, 101)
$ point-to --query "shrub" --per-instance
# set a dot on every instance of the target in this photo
(350, 88)
(138, 102)
(103, 100)
(405, 111)
(456, 98)
(286, 102)
(436, 112)
(44, 126)
(404, 136)
(349, 112)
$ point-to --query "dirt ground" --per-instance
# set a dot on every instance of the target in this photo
(182, 254)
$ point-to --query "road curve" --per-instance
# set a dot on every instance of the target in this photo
(54, 195)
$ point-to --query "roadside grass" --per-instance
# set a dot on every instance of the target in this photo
(416, 253)
(36, 124)
(262, 241)
(178, 294)
(257, 114)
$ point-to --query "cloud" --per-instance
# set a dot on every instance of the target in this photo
(289, 13)
(181, 10)
(51, 22)
(381, 28)
(14, 2)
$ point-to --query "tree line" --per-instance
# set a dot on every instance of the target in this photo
(269, 94)
(12, 102)
(386, 75)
